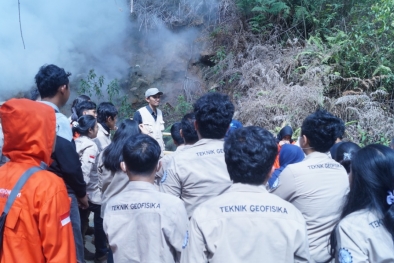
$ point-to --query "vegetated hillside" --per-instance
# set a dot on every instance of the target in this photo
(280, 60)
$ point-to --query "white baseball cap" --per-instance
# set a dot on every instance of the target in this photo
(152, 92)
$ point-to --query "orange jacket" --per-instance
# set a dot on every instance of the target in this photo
(38, 227)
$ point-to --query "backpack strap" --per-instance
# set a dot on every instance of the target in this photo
(21, 182)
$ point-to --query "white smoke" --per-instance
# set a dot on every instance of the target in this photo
(75, 35)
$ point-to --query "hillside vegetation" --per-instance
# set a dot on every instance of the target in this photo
(280, 60)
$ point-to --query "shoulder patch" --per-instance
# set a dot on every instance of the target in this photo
(344, 256)
(186, 240)
(163, 179)
(275, 184)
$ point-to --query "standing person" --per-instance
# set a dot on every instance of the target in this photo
(289, 154)
(86, 108)
(77, 100)
(344, 154)
(200, 173)
(179, 143)
(111, 179)
(53, 85)
(316, 186)
(246, 223)
(283, 137)
(106, 117)
(186, 132)
(365, 231)
(151, 116)
(37, 228)
(142, 224)
(88, 151)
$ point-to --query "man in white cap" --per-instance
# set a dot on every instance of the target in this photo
(151, 116)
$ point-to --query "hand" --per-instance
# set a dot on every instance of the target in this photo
(143, 129)
(83, 202)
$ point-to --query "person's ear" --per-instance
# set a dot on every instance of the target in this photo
(123, 166)
(109, 119)
(63, 89)
(84, 113)
(305, 141)
(147, 99)
(181, 132)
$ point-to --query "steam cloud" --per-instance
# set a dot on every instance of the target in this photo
(75, 35)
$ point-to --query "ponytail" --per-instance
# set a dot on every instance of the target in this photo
(83, 125)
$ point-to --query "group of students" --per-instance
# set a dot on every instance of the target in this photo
(250, 197)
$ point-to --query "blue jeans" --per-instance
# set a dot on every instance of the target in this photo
(76, 224)
(100, 239)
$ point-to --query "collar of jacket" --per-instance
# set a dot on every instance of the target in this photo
(140, 185)
(240, 187)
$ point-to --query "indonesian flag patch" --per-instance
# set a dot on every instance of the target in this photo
(91, 158)
(65, 218)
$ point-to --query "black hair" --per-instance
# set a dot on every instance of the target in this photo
(250, 154)
(49, 78)
(141, 154)
(189, 133)
(372, 179)
(85, 123)
(341, 130)
(77, 100)
(214, 112)
(321, 129)
(112, 155)
(84, 105)
(176, 133)
(105, 110)
(345, 153)
(285, 131)
(34, 94)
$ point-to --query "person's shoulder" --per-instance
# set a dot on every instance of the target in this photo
(359, 219)
(289, 207)
(47, 181)
(168, 199)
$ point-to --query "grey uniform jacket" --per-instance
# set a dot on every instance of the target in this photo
(144, 225)
(103, 138)
(197, 174)
(110, 183)
(362, 237)
(87, 151)
(247, 224)
(317, 186)
(165, 162)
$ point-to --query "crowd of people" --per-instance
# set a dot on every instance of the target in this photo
(228, 193)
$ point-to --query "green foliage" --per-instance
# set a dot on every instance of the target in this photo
(175, 114)
(355, 38)
(93, 86)
(365, 138)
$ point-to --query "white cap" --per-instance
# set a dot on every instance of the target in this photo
(152, 92)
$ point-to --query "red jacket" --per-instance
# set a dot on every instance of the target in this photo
(38, 227)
